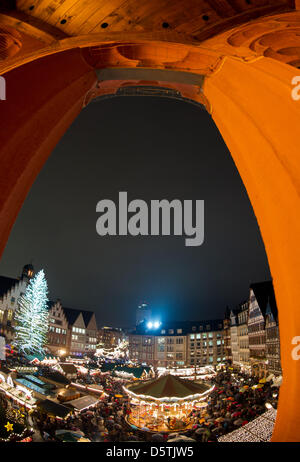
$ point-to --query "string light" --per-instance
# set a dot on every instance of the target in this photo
(32, 316)
(258, 430)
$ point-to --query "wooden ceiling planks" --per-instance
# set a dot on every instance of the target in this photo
(81, 17)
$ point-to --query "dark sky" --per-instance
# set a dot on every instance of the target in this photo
(153, 148)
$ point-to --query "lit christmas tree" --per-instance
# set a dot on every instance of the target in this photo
(32, 316)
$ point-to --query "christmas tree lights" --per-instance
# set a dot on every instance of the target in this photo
(32, 316)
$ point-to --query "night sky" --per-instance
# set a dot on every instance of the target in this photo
(153, 148)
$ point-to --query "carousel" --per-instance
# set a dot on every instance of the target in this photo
(165, 404)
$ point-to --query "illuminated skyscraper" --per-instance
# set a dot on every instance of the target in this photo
(143, 313)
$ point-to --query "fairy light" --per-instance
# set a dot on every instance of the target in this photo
(169, 399)
(258, 430)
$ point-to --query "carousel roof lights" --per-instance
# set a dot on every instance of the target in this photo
(172, 384)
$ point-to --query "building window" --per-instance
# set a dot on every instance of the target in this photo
(161, 344)
(9, 315)
(179, 331)
(78, 330)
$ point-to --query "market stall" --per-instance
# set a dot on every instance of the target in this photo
(53, 409)
(68, 394)
(83, 403)
(192, 373)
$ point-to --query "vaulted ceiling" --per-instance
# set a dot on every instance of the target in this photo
(34, 28)
(197, 19)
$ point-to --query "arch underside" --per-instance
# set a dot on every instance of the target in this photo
(238, 64)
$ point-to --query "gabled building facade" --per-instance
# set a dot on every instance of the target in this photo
(91, 331)
(234, 337)
(11, 289)
(77, 331)
(272, 340)
(260, 294)
(227, 337)
(243, 339)
(58, 335)
(71, 332)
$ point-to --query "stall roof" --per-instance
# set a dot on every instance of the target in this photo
(83, 402)
(107, 367)
(68, 368)
(55, 409)
(136, 371)
(32, 357)
(54, 376)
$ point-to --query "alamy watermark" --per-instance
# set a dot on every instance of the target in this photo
(295, 93)
(137, 219)
(2, 88)
(296, 349)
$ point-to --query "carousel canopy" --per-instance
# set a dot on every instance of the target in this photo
(168, 386)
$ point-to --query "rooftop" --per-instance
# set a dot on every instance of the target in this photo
(7, 284)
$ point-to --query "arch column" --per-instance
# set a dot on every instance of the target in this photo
(42, 99)
(252, 106)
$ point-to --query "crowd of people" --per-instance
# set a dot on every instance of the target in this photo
(104, 422)
(236, 399)
(232, 404)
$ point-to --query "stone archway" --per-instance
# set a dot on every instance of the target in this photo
(245, 84)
